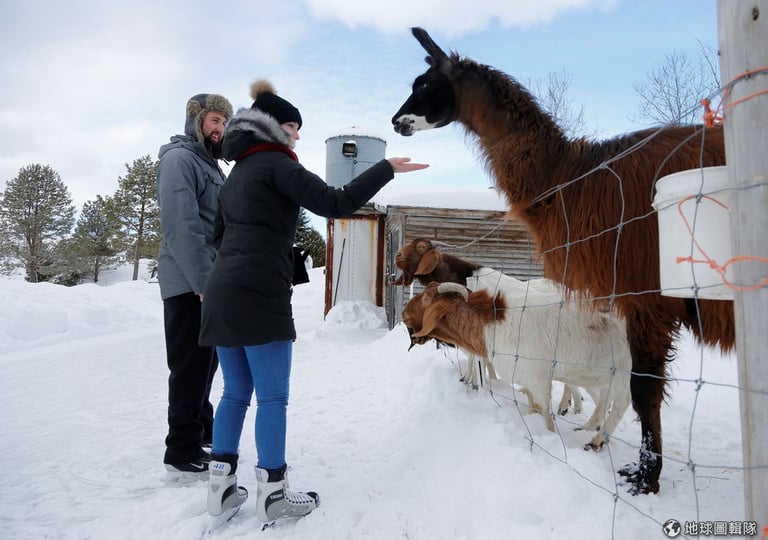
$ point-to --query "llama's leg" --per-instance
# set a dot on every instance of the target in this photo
(650, 349)
(647, 395)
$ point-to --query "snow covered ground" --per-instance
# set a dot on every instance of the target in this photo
(396, 446)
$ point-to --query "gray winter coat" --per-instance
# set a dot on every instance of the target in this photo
(188, 185)
(247, 297)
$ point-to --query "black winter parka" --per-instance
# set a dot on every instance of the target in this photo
(247, 298)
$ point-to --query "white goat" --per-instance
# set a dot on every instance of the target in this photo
(488, 279)
(531, 335)
(421, 260)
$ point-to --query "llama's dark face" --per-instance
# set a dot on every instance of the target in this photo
(430, 105)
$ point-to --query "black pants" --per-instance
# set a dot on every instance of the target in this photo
(190, 413)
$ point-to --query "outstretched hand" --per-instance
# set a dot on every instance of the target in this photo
(403, 164)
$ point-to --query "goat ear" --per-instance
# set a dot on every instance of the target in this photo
(433, 314)
(428, 262)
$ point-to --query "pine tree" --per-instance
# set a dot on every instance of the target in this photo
(309, 238)
(135, 207)
(70, 266)
(36, 213)
(95, 242)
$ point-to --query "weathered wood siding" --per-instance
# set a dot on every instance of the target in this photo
(481, 236)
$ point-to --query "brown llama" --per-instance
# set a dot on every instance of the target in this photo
(587, 204)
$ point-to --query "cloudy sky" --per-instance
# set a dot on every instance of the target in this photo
(90, 86)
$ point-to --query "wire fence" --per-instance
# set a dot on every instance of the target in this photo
(690, 215)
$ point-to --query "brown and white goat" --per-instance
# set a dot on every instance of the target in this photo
(421, 260)
(532, 337)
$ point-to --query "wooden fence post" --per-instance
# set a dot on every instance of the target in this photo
(743, 44)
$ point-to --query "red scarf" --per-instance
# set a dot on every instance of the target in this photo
(269, 147)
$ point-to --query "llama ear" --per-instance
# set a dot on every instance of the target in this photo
(428, 262)
(433, 315)
(436, 54)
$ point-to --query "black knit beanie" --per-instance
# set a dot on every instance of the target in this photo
(266, 99)
(198, 106)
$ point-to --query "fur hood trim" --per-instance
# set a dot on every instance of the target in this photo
(264, 127)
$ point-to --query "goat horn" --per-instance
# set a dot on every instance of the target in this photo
(441, 244)
(454, 287)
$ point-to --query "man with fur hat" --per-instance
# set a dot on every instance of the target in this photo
(188, 182)
(247, 310)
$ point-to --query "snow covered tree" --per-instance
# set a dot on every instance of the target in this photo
(310, 239)
(36, 212)
(135, 207)
(95, 242)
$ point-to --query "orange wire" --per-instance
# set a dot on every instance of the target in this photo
(720, 269)
(712, 118)
(746, 98)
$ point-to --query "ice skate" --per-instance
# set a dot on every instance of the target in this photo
(275, 500)
(225, 497)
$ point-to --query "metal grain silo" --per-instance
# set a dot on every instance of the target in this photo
(354, 254)
(349, 153)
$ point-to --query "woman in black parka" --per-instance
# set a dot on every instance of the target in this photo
(246, 311)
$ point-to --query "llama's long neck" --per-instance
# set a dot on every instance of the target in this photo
(519, 141)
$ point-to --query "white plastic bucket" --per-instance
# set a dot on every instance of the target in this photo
(709, 237)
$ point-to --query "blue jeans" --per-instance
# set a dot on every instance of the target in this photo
(265, 369)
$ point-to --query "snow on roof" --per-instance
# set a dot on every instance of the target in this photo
(463, 199)
(355, 131)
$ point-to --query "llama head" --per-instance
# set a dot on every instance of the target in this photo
(431, 103)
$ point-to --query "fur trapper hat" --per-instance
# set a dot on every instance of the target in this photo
(198, 106)
(266, 99)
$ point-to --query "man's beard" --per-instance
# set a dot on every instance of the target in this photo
(214, 147)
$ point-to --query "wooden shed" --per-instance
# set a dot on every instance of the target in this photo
(471, 224)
